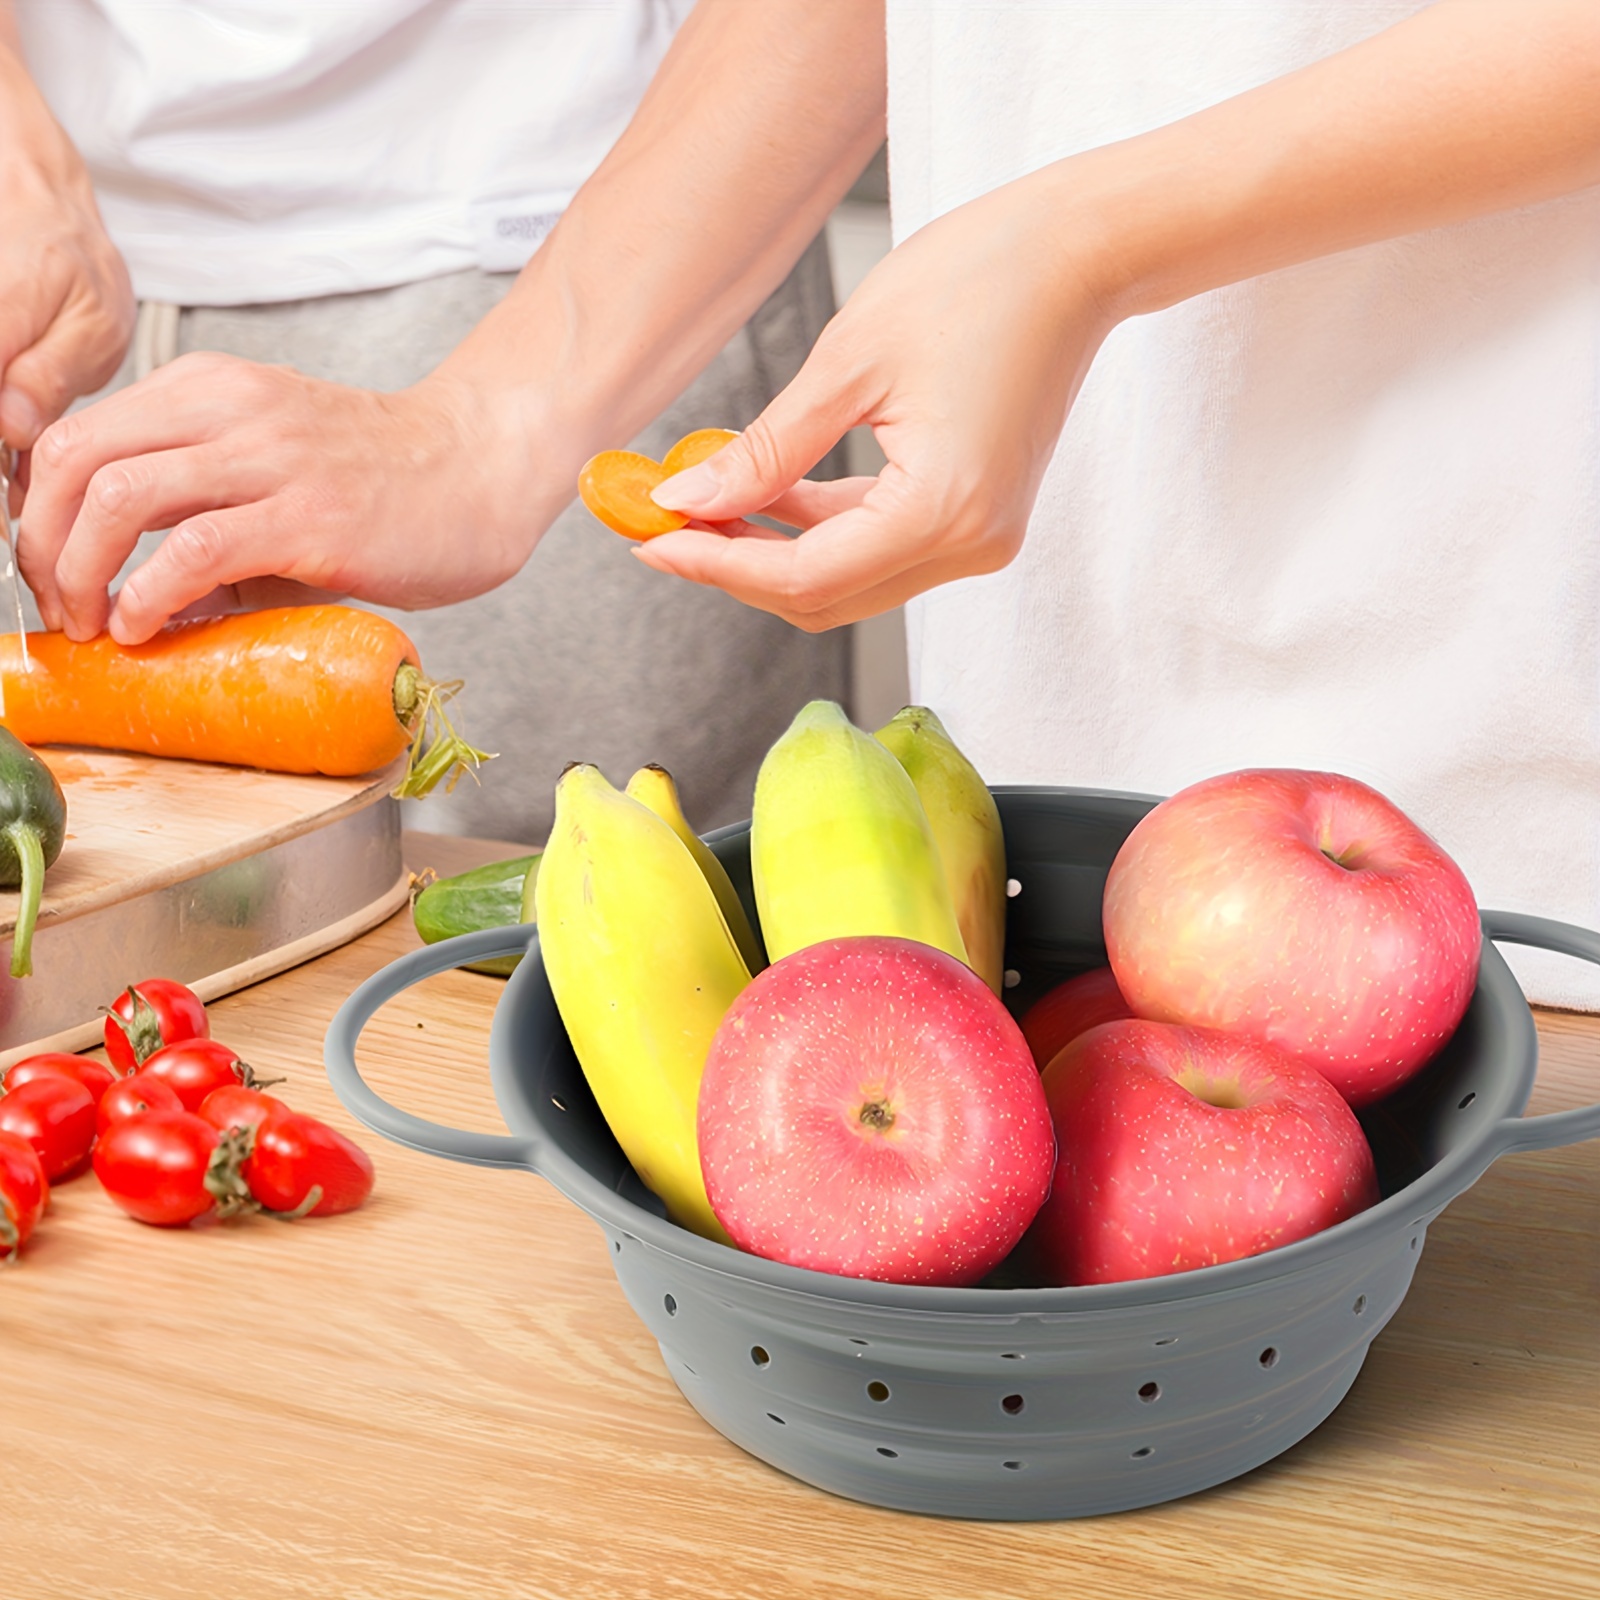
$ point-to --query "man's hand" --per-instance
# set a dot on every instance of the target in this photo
(66, 306)
(412, 499)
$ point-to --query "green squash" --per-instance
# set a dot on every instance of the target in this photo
(33, 825)
(486, 897)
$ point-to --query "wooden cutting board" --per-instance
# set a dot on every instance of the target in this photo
(216, 876)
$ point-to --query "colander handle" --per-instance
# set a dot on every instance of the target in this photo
(1556, 1127)
(364, 1102)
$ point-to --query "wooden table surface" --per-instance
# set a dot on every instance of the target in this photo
(445, 1394)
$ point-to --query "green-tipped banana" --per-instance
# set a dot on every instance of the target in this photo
(966, 828)
(653, 786)
(840, 845)
(643, 968)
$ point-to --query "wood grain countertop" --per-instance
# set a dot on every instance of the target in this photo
(445, 1394)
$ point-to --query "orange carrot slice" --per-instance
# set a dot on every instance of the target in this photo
(693, 448)
(615, 485)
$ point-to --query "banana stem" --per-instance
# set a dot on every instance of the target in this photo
(24, 840)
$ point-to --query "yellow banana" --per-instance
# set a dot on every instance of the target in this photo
(643, 968)
(966, 828)
(839, 843)
(653, 786)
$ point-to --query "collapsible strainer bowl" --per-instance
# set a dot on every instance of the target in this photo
(1004, 1402)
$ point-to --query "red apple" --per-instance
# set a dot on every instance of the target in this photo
(870, 1108)
(1183, 1147)
(1055, 1019)
(1301, 908)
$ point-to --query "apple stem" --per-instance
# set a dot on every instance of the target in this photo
(876, 1114)
(1350, 857)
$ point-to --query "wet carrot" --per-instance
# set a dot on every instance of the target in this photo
(324, 689)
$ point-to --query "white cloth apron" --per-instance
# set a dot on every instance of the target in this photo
(1342, 516)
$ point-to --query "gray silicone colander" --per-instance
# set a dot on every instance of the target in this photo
(1005, 1402)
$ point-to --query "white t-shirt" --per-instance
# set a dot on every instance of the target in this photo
(263, 150)
(1343, 516)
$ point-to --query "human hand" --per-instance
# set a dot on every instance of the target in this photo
(965, 347)
(66, 305)
(963, 350)
(269, 479)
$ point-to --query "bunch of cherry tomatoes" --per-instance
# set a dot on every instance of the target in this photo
(177, 1128)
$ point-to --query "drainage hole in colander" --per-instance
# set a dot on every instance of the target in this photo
(1413, 1244)
(1268, 1357)
(759, 1356)
(1466, 1099)
(558, 1102)
(1012, 1466)
(1360, 1305)
(1013, 889)
(1012, 1355)
(858, 1341)
(1149, 1392)
(1012, 1405)
(877, 1391)
(670, 1304)
(1143, 1451)
(1012, 978)
(616, 1244)
(773, 1415)
(884, 1450)
(1166, 1338)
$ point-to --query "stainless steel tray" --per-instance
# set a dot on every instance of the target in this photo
(279, 869)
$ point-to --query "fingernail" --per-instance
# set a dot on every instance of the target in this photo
(117, 624)
(689, 490)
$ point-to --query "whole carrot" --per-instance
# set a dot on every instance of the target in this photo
(326, 689)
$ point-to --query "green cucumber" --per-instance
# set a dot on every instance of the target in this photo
(33, 824)
(487, 897)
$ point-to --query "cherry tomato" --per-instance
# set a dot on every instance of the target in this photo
(148, 1015)
(234, 1106)
(95, 1076)
(170, 1168)
(24, 1189)
(130, 1097)
(195, 1067)
(294, 1155)
(56, 1116)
